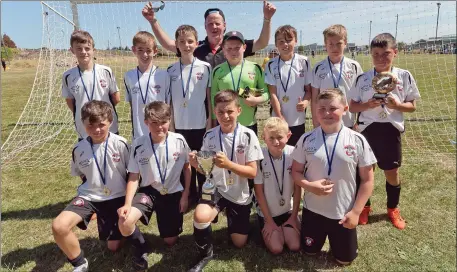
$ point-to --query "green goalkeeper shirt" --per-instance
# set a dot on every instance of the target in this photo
(252, 76)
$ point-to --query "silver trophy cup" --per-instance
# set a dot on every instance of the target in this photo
(383, 83)
(205, 161)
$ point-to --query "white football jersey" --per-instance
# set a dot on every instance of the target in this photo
(143, 161)
(352, 151)
(272, 183)
(139, 93)
(83, 163)
(73, 84)
(247, 149)
(189, 109)
(300, 76)
(362, 91)
(322, 79)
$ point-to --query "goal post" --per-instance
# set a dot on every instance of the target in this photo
(44, 134)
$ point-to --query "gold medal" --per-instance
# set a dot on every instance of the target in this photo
(383, 115)
(285, 99)
(184, 104)
(230, 181)
(164, 191)
(106, 191)
(282, 202)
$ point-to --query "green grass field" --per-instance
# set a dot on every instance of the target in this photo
(31, 198)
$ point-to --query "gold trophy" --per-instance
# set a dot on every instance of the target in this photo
(245, 92)
(383, 83)
(205, 161)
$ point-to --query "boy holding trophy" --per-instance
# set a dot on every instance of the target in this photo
(381, 96)
(237, 151)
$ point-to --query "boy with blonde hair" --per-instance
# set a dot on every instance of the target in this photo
(274, 189)
(146, 83)
(326, 163)
(336, 71)
(88, 81)
(288, 78)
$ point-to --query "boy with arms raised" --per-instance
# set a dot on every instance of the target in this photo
(238, 73)
(274, 188)
(159, 157)
(336, 71)
(326, 163)
(101, 162)
(288, 78)
(88, 81)
(381, 121)
(190, 96)
(238, 151)
(145, 83)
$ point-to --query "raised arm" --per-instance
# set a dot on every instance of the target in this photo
(159, 33)
(268, 11)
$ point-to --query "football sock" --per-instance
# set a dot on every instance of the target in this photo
(78, 260)
(138, 241)
(393, 195)
(203, 239)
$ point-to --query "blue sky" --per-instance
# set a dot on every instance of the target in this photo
(23, 21)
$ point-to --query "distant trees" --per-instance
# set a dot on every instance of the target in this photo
(8, 42)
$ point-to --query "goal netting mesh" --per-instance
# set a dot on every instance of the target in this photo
(44, 134)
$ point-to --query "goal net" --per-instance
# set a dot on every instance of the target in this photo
(425, 31)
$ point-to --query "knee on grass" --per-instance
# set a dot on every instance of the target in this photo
(239, 240)
(275, 248)
(170, 241)
(114, 245)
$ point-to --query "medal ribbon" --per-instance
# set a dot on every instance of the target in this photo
(288, 76)
(84, 85)
(274, 170)
(239, 79)
(186, 90)
(233, 144)
(162, 178)
(145, 97)
(336, 83)
(102, 176)
(330, 159)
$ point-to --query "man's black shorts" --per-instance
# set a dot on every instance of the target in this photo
(107, 218)
(169, 218)
(314, 230)
(297, 132)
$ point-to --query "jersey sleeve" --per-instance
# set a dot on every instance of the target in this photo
(249, 48)
(65, 89)
(365, 153)
(259, 176)
(112, 82)
(133, 166)
(269, 76)
(354, 92)
(167, 88)
(254, 151)
(308, 73)
(185, 151)
(74, 169)
(315, 79)
(205, 143)
(128, 96)
(299, 152)
(125, 153)
(411, 90)
(359, 69)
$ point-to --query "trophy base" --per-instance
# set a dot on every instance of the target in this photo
(380, 96)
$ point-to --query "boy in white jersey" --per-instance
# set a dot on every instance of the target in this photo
(274, 188)
(238, 151)
(335, 71)
(159, 157)
(88, 81)
(326, 163)
(381, 120)
(145, 83)
(190, 97)
(101, 162)
(289, 81)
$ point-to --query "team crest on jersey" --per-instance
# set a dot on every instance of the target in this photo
(251, 75)
(301, 73)
(349, 74)
(116, 157)
(156, 89)
(309, 241)
(78, 202)
(144, 199)
(176, 155)
(143, 161)
(350, 150)
(266, 175)
(199, 76)
(135, 90)
(365, 88)
(84, 163)
(289, 168)
(322, 76)
(173, 78)
(276, 76)
(310, 149)
(103, 83)
(240, 149)
(75, 88)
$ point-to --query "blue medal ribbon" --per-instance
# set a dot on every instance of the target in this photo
(162, 178)
(233, 144)
(235, 88)
(186, 90)
(145, 97)
(288, 76)
(84, 85)
(274, 170)
(336, 84)
(102, 176)
(330, 159)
